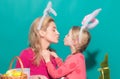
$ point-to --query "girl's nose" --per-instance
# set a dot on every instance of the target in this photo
(65, 36)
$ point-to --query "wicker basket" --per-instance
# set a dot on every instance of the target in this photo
(22, 76)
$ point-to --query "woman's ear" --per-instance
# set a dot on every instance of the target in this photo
(42, 33)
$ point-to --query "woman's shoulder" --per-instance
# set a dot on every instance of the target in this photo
(27, 52)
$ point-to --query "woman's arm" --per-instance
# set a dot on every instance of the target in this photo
(24, 56)
(66, 68)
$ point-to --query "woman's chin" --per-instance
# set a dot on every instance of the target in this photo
(55, 42)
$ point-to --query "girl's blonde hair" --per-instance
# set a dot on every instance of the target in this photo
(35, 39)
(83, 43)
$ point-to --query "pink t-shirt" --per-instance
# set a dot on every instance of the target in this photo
(73, 68)
(27, 59)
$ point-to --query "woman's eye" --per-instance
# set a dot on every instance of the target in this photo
(54, 30)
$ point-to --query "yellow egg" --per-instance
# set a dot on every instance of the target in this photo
(9, 72)
(13, 72)
(4, 74)
(17, 73)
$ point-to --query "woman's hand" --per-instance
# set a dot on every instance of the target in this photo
(38, 77)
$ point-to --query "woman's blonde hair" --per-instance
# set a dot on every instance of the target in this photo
(81, 44)
(35, 39)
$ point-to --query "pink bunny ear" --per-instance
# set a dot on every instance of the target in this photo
(85, 21)
(93, 23)
(89, 22)
(89, 25)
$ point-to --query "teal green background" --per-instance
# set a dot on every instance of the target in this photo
(16, 17)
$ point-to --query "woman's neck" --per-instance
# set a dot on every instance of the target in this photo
(44, 44)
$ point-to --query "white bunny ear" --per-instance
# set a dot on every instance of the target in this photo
(46, 12)
(49, 9)
(53, 11)
(88, 18)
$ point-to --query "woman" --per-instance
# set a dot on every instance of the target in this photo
(39, 40)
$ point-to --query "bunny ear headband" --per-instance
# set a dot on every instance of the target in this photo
(89, 21)
(46, 12)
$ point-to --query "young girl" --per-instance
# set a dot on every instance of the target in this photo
(39, 40)
(74, 66)
(77, 39)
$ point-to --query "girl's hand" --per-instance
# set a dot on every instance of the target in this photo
(54, 54)
(38, 77)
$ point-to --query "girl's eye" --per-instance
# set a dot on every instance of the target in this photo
(68, 35)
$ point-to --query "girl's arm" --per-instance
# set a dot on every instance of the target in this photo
(57, 59)
(69, 66)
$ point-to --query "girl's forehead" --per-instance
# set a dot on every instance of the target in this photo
(70, 32)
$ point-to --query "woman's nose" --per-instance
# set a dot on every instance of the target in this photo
(57, 32)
